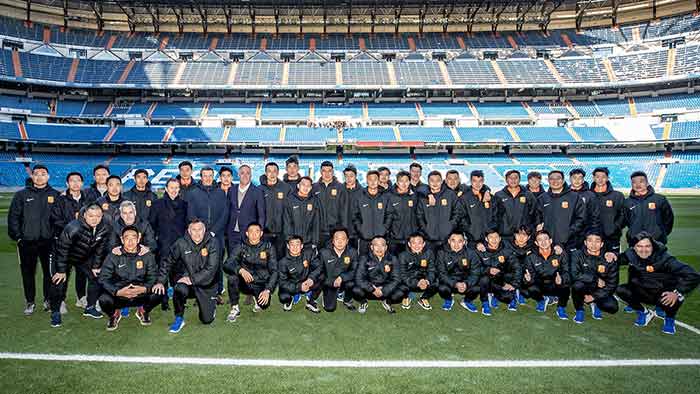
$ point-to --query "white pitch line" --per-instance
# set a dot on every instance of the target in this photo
(353, 363)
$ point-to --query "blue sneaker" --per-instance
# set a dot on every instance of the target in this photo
(561, 313)
(669, 326)
(170, 293)
(494, 301)
(340, 296)
(308, 296)
(486, 309)
(469, 306)
(92, 312)
(412, 296)
(521, 299)
(296, 299)
(55, 319)
(125, 312)
(629, 309)
(660, 312)
(596, 312)
(580, 316)
(447, 305)
(513, 306)
(643, 318)
(177, 325)
(541, 306)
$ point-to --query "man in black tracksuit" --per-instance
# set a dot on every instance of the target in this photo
(251, 270)
(302, 214)
(98, 188)
(594, 279)
(193, 264)
(275, 193)
(546, 274)
(333, 200)
(656, 278)
(502, 273)
(402, 213)
(378, 277)
(129, 217)
(612, 211)
(299, 274)
(478, 206)
(127, 280)
(417, 186)
(65, 210)
(370, 213)
(112, 199)
(459, 270)
(354, 191)
(168, 218)
(418, 272)
(561, 212)
(338, 264)
(187, 182)
(82, 244)
(514, 207)
(591, 213)
(29, 224)
(141, 194)
(439, 212)
(292, 176)
(645, 210)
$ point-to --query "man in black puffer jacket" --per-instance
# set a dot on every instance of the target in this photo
(502, 273)
(647, 211)
(82, 244)
(251, 270)
(439, 213)
(562, 212)
(612, 210)
(141, 194)
(418, 272)
(275, 193)
(28, 223)
(299, 274)
(127, 279)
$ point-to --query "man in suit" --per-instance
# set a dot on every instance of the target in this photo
(247, 205)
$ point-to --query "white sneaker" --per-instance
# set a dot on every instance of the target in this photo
(47, 306)
(82, 302)
(233, 315)
(64, 308)
(97, 305)
(362, 308)
(29, 308)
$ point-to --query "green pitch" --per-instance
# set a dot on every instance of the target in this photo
(298, 335)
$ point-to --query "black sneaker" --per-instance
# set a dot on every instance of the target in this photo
(387, 307)
(113, 322)
(350, 306)
(143, 316)
(312, 306)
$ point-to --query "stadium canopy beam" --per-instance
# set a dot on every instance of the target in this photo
(277, 21)
(97, 9)
(325, 18)
(203, 16)
(397, 17)
(178, 19)
(446, 16)
(129, 16)
(615, 6)
(373, 17)
(251, 13)
(547, 15)
(155, 18)
(581, 7)
(496, 15)
(29, 11)
(472, 15)
(228, 15)
(653, 9)
(301, 18)
(65, 14)
(522, 16)
(421, 17)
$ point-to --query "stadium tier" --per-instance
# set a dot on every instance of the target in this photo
(681, 174)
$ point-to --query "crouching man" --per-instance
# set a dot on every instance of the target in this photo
(193, 263)
(378, 277)
(127, 280)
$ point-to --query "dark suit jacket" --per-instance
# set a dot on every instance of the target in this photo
(252, 209)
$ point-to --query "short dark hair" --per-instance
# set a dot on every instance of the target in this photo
(452, 172)
(476, 173)
(141, 171)
(350, 168)
(639, 173)
(292, 159)
(415, 165)
(543, 231)
(509, 172)
(577, 171)
(130, 228)
(73, 173)
(205, 168)
(640, 236)
(196, 220)
(560, 172)
(306, 178)
(604, 170)
(171, 180)
(109, 178)
(293, 237)
(254, 224)
(415, 234)
(534, 174)
(372, 172)
(40, 167)
(339, 229)
(384, 168)
(402, 174)
(272, 164)
(100, 167)
(225, 169)
(183, 164)
(435, 172)
(327, 163)
(526, 229)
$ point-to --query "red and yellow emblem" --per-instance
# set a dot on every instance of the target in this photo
(346, 260)
(263, 255)
(487, 204)
(650, 268)
(424, 263)
(204, 252)
(652, 205)
(334, 192)
(50, 199)
(410, 203)
(306, 263)
(139, 264)
(443, 202)
(601, 269)
(380, 205)
(609, 203)
(387, 268)
(501, 259)
(105, 206)
(280, 196)
(309, 207)
(555, 263)
(564, 204)
(148, 203)
(465, 262)
(522, 200)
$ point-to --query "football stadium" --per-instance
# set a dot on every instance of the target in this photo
(399, 196)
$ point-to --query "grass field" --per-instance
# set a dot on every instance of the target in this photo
(299, 335)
